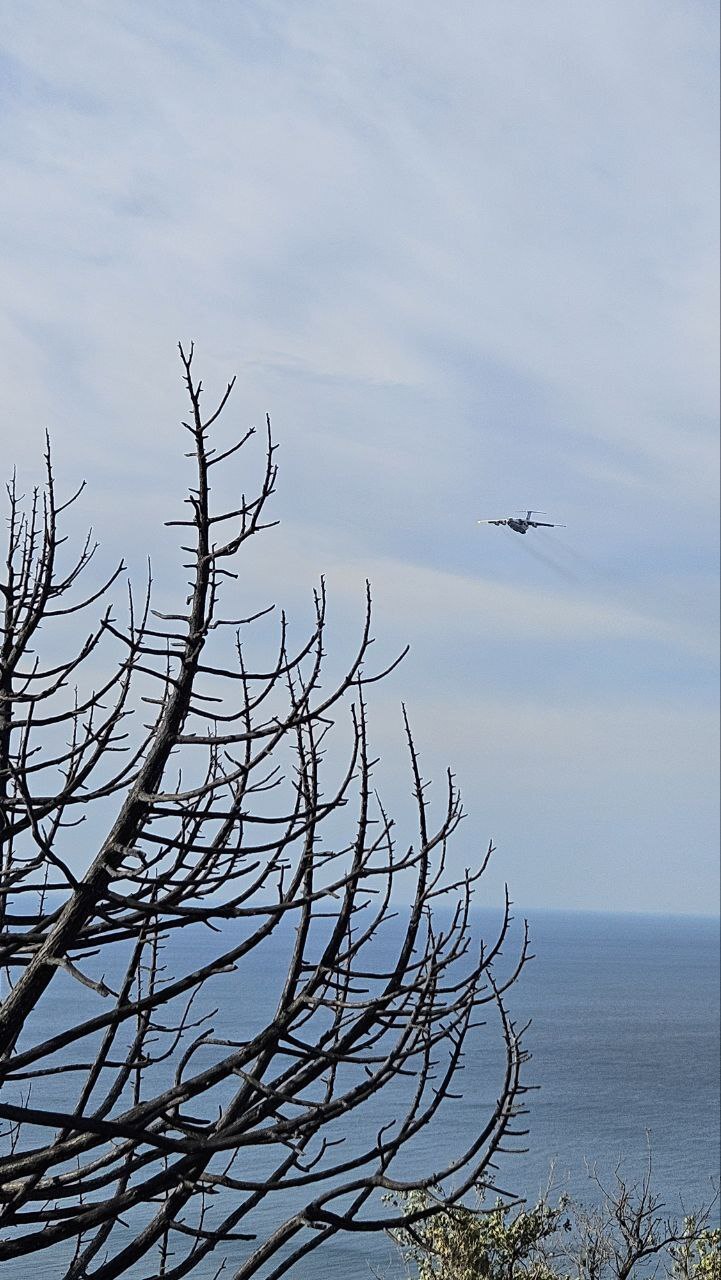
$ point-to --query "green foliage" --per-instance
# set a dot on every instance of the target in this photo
(698, 1257)
(625, 1239)
(465, 1244)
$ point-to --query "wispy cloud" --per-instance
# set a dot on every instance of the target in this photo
(467, 255)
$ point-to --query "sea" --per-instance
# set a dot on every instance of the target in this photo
(623, 1032)
(623, 1036)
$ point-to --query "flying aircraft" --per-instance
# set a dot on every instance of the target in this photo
(521, 524)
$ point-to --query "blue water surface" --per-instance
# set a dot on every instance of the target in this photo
(624, 1038)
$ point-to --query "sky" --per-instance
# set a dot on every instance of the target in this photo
(466, 255)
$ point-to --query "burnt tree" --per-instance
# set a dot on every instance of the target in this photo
(147, 868)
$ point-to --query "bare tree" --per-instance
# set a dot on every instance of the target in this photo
(138, 1138)
(630, 1232)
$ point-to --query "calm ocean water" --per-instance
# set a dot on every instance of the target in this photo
(625, 1043)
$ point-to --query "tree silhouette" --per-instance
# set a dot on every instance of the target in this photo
(146, 868)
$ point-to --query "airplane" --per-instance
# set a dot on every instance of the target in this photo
(521, 524)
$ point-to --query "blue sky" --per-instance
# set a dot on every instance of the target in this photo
(467, 257)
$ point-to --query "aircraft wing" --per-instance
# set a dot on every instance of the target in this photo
(491, 521)
(543, 524)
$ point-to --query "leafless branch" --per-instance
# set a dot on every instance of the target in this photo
(142, 864)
